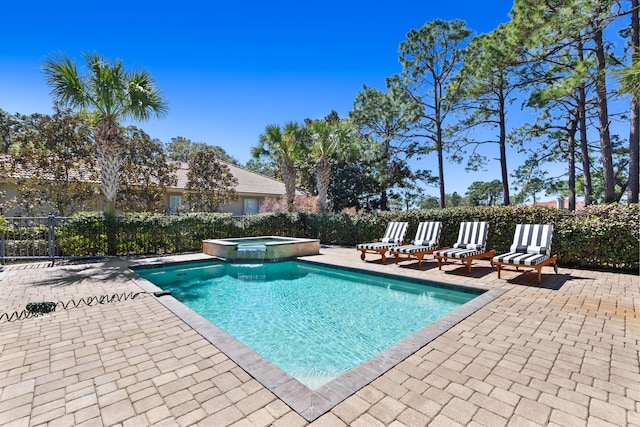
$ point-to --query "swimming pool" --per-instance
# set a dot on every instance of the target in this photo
(331, 330)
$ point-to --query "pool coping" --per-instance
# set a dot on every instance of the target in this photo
(311, 404)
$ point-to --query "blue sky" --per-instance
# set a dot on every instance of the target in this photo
(227, 69)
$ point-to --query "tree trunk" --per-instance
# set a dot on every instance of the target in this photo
(437, 101)
(110, 144)
(572, 162)
(288, 171)
(603, 115)
(584, 144)
(323, 175)
(109, 163)
(634, 152)
(384, 202)
(384, 181)
(441, 174)
(503, 151)
(634, 131)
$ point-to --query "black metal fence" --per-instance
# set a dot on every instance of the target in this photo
(31, 238)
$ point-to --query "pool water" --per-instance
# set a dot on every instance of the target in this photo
(311, 321)
(258, 241)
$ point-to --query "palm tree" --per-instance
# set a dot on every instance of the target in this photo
(106, 95)
(282, 146)
(327, 138)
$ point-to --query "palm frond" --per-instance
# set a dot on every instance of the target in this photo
(259, 151)
(67, 86)
(145, 100)
(108, 85)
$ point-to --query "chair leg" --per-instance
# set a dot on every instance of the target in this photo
(498, 266)
(362, 255)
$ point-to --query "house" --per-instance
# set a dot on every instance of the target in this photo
(562, 204)
(252, 189)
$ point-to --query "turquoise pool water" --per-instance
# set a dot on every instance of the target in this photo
(313, 322)
(252, 241)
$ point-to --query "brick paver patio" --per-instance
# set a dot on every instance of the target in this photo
(566, 353)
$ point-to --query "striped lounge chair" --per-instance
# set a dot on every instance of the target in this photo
(531, 249)
(471, 244)
(427, 240)
(393, 236)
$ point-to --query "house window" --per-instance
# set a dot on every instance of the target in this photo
(250, 206)
(174, 203)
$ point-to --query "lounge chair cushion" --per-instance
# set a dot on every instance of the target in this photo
(521, 258)
(472, 236)
(540, 250)
(393, 236)
(428, 233)
(374, 246)
(413, 249)
(428, 243)
(389, 240)
(395, 232)
(472, 240)
(532, 239)
(459, 253)
(470, 246)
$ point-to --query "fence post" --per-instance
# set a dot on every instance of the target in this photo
(52, 238)
(3, 246)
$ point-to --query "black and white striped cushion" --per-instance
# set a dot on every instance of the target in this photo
(531, 245)
(472, 236)
(395, 232)
(412, 249)
(393, 236)
(457, 253)
(428, 233)
(375, 246)
(521, 258)
(532, 239)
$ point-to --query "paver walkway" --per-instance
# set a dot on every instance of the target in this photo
(566, 353)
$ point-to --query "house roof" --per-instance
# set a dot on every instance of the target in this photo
(18, 172)
(248, 181)
(562, 204)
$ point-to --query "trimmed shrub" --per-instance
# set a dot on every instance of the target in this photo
(604, 236)
(272, 224)
(136, 234)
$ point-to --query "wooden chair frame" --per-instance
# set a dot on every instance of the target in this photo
(442, 259)
(416, 255)
(530, 268)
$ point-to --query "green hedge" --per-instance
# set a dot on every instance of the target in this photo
(602, 236)
(136, 234)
